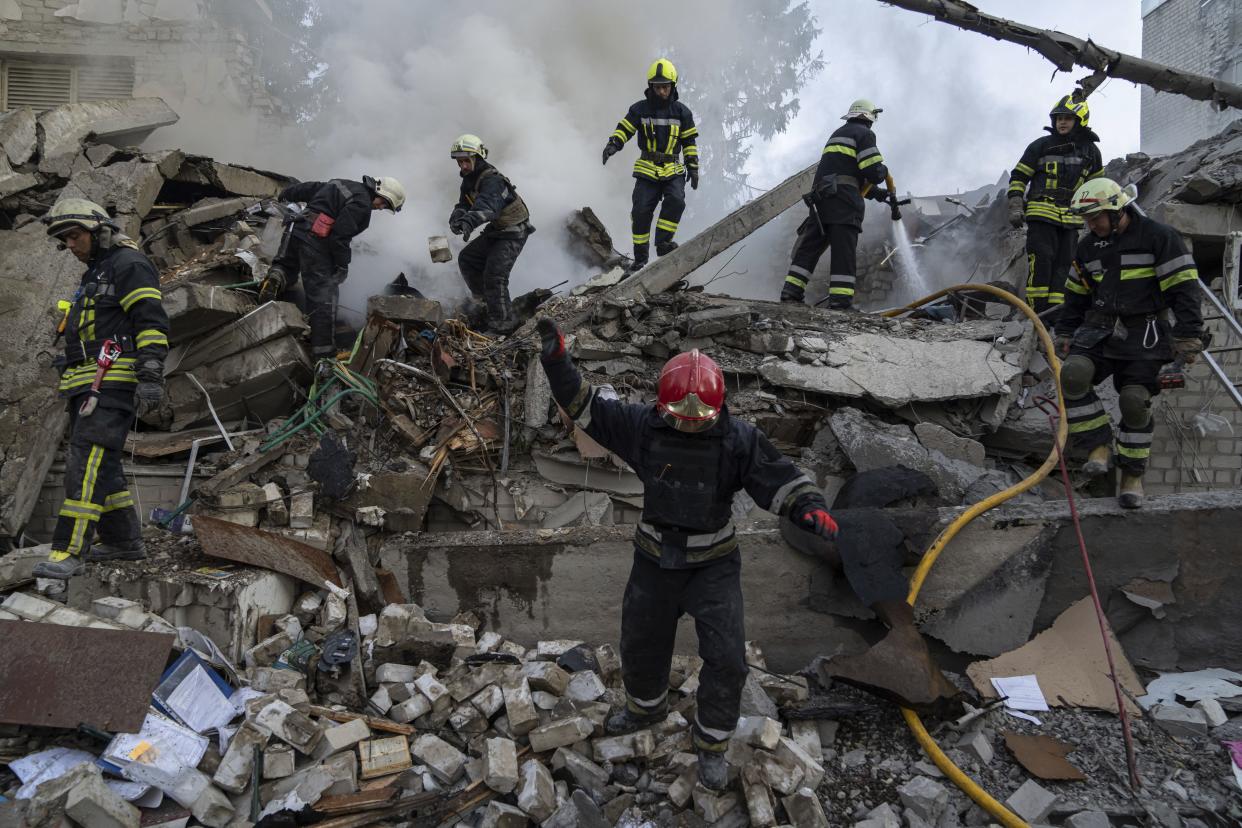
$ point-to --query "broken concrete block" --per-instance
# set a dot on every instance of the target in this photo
(394, 622)
(121, 121)
(444, 761)
(759, 802)
(585, 686)
(536, 795)
(581, 772)
(271, 680)
(413, 309)
(578, 811)
(267, 651)
(127, 188)
(412, 708)
(398, 693)
(545, 675)
(804, 809)
(212, 808)
(342, 737)
(560, 733)
(977, 745)
(435, 692)
(779, 774)
(18, 137)
(790, 751)
(395, 673)
(806, 733)
(636, 745)
(1088, 819)
(266, 323)
(489, 700)
(29, 607)
(1212, 712)
(519, 706)
(466, 719)
(302, 510)
(500, 765)
(231, 178)
(126, 613)
(758, 731)
(93, 804)
(883, 816)
(278, 761)
(712, 321)
(609, 663)
(438, 247)
(237, 764)
(1031, 801)
(1177, 720)
(195, 309)
(274, 502)
(337, 774)
(927, 798)
(289, 725)
(500, 815)
(713, 805)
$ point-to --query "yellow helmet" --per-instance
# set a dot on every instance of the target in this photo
(75, 212)
(467, 145)
(662, 71)
(1069, 106)
(863, 108)
(390, 190)
(1098, 195)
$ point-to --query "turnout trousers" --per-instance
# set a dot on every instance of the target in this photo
(654, 600)
(1049, 254)
(309, 259)
(1089, 423)
(670, 194)
(96, 497)
(810, 246)
(486, 263)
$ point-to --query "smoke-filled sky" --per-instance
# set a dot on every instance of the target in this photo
(544, 84)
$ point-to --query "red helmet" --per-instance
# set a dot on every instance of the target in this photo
(692, 391)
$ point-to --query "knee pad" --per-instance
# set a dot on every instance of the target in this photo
(1076, 375)
(1135, 404)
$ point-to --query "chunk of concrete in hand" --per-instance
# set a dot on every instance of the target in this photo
(500, 765)
(927, 798)
(536, 793)
(92, 804)
(1032, 802)
(560, 733)
(438, 247)
(445, 762)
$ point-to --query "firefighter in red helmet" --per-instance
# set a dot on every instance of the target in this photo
(692, 457)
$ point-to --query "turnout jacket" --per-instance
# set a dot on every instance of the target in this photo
(664, 130)
(1051, 170)
(1132, 277)
(849, 158)
(119, 299)
(347, 202)
(487, 192)
(688, 479)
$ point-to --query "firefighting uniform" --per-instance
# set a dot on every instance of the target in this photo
(322, 255)
(665, 130)
(849, 159)
(1051, 169)
(487, 261)
(1115, 302)
(119, 299)
(686, 558)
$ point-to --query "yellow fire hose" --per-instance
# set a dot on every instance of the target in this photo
(938, 756)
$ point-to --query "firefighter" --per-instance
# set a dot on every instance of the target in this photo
(336, 211)
(118, 304)
(1127, 272)
(691, 456)
(1049, 172)
(488, 197)
(850, 164)
(665, 127)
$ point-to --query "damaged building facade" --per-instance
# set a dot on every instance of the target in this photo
(390, 593)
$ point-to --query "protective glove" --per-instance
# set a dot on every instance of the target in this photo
(878, 194)
(147, 397)
(810, 513)
(1061, 344)
(552, 338)
(466, 223)
(692, 175)
(1187, 349)
(1017, 212)
(610, 149)
(273, 284)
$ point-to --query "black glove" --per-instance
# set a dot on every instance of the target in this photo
(150, 389)
(552, 338)
(692, 175)
(1017, 212)
(877, 194)
(340, 274)
(273, 284)
(1061, 344)
(454, 221)
(466, 222)
(610, 149)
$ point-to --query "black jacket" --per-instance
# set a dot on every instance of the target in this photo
(1051, 169)
(348, 202)
(1132, 276)
(850, 158)
(688, 479)
(487, 192)
(667, 128)
(118, 298)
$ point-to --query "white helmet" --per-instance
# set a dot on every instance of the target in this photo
(390, 190)
(863, 108)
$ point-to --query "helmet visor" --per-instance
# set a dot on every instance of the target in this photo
(690, 407)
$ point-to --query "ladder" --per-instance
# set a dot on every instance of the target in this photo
(1225, 308)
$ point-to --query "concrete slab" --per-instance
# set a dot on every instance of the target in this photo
(269, 321)
(229, 178)
(123, 121)
(128, 187)
(18, 137)
(196, 309)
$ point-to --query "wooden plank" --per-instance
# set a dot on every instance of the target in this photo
(373, 722)
(244, 544)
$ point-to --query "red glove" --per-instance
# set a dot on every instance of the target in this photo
(819, 522)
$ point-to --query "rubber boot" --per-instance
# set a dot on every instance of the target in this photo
(500, 316)
(664, 248)
(1097, 461)
(1131, 496)
(61, 570)
(792, 294)
(899, 667)
(134, 550)
(840, 304)
(713, 769)
(626, 720)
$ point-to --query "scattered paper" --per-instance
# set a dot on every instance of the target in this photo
(1018, 714)
(242, 695)
(37, 768)
(1172, 688)
(171, 750)
(198, 702)
(1020, 692)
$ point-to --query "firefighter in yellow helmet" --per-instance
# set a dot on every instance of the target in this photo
(115, 340)
(668, 157)
(1050, 170)
(1129, 273)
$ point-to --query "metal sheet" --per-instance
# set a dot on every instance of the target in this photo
(243, 544)
(57, 676)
